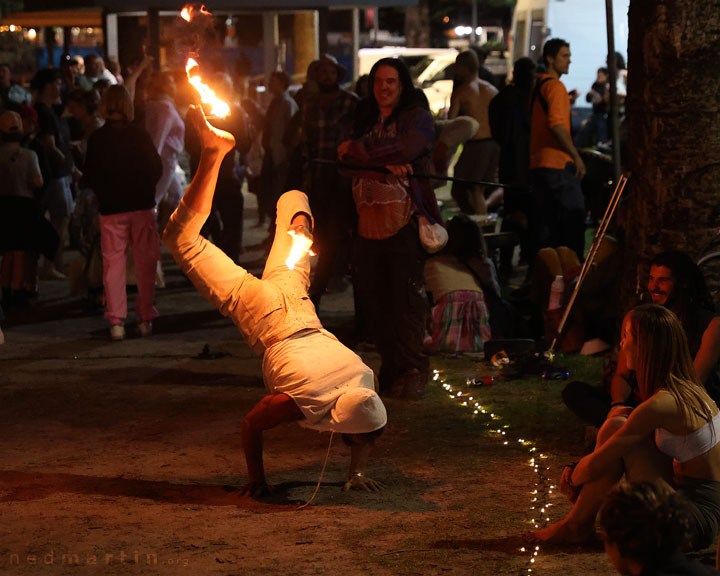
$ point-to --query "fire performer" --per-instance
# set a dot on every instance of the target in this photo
(310, 376)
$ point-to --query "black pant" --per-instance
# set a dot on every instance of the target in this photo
(589, 403)
(225, 223)
(558, 214)
(388, 277)
(334, 213)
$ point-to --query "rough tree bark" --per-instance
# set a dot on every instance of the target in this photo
(673, 113)
(417, 25)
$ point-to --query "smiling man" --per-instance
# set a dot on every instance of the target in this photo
(677, 283)
(674, 281)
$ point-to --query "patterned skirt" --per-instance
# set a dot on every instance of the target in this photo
(459, 322)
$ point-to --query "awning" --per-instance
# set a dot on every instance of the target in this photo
(79, 17)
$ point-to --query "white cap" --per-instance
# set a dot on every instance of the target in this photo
(357, 411)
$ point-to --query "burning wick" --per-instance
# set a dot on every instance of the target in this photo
(207, 96)
(188, 12)
(300, 246)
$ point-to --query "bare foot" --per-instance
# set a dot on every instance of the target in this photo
(560, 533)
(213, 139)
(257, 489)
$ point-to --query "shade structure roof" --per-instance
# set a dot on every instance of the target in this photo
(132, 5)
(68, 17)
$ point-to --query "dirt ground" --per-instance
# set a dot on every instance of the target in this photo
(120, 457)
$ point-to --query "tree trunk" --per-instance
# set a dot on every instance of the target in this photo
(673, 197)
(417, 25)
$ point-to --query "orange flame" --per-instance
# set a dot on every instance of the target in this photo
(207, 96)
(300, 246)
(189, 10)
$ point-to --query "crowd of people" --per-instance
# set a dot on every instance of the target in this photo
(322, 140)
(94, 160)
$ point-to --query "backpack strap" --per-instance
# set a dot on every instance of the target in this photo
(537, 95)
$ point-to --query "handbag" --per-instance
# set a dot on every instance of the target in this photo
(433, 237)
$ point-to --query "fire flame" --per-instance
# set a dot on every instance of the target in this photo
(188, 12)
(300, 246)
(207, 96)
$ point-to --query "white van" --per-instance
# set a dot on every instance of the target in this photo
(412, 56)
(582, 23)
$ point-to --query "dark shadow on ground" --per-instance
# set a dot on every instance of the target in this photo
(188, 321)
(16, 486)
(49, 310)
(19, 486)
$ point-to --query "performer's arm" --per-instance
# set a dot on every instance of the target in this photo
(268, 413)
(360, 447)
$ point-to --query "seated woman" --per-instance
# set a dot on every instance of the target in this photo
(454, 280)
(671, 438)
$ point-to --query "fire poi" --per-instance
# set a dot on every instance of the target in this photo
(207, 96)
(218, 108)
(300, 246)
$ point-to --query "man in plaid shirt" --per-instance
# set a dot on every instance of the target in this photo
(327, 121)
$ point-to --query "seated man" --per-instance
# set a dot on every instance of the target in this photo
(675, 282)
(310, 375)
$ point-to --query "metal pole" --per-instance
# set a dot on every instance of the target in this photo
(376, 24)
(612, 70)
(355, 42)
(599, 236)
(473, 23)
(323, 24)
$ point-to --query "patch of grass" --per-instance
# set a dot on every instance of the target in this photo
(530, 406)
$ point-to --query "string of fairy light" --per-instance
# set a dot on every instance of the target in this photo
(543, 487)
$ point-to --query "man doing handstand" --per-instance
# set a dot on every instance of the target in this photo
(311, 377)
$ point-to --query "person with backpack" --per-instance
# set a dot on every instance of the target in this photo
(556, 168)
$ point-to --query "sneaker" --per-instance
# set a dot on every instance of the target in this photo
(145, 329)
(117, 332)
(49, 272)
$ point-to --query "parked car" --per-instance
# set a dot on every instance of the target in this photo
(436, 80)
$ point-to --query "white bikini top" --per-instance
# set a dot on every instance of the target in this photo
(689, 446)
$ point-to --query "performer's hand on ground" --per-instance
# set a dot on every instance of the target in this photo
(400, 169)
(361, 482)
(213, 139)
(256, 489)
